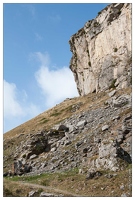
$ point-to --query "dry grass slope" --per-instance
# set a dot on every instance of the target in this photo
(71, 182)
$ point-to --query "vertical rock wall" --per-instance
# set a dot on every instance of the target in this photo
(102, 51)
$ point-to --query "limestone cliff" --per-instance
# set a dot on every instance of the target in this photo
(102, 51)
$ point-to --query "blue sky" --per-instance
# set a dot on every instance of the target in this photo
(36, 56)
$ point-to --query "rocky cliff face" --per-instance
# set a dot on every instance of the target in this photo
(102, 51)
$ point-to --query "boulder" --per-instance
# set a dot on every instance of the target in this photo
(122, 101)
(35, 144)
(112, 93)
(81, 123)
(5, 174)
(33, 156)
(19, 168)
(93, 174)
(63, 128)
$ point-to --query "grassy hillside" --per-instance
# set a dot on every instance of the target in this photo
(70, 181)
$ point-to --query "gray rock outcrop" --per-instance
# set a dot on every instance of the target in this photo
(101, 51)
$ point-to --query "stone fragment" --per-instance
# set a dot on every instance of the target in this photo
(53, 149)
(81, 123)
(116, 117)
(124, 195)
(122, 187)
(32, 193)
(121, 101)
(45, 194)
(110, 175)
(112, 93)
(33, 156)
(105, 127)
(93, 174)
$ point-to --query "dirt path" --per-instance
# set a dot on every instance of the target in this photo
(49, 189)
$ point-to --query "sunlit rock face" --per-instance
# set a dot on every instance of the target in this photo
(101, 51)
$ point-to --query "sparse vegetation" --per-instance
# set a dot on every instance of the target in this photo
(72, 181)
(115, 49)
(113, 84)
(44, 120)
(96, 24)
(55, 114)
(69, 180)
(89, 63)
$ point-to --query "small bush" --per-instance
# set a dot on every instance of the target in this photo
(89, 63)
(113, 84)
(24, 156)
(115, 49)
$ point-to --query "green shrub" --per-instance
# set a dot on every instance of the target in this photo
(24, 156)
(112, 84)
(89, 63)
(115, 49)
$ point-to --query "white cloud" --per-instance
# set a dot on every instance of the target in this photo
(17, 110)
(11, 104)
(56, 85)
